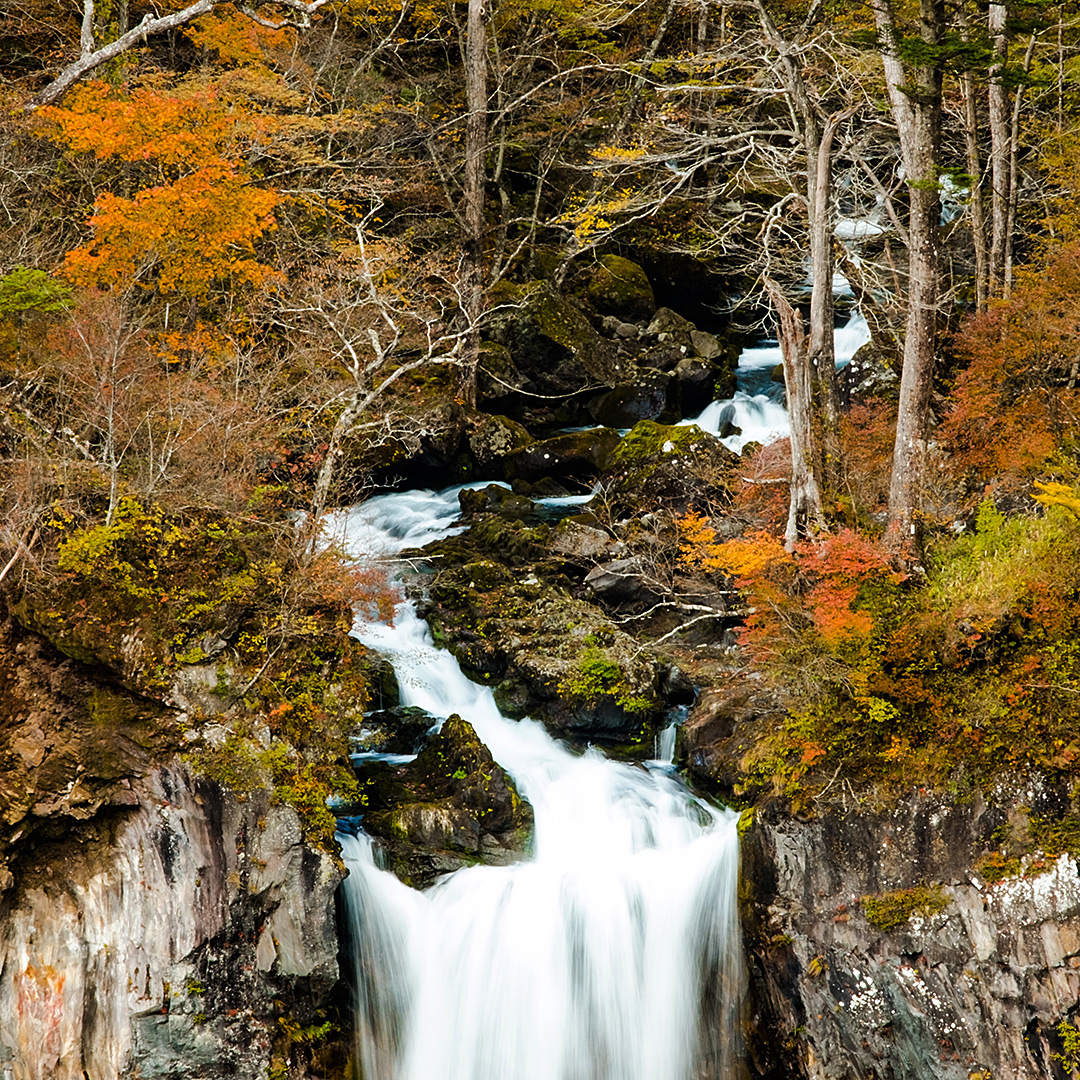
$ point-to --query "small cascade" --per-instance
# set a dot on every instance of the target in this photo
(613, 954)
(757, 408)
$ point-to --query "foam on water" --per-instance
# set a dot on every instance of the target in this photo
(612, 954)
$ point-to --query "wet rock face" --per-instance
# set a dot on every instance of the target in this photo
(70, 744)
(451, 807)
(165, 941)
(945, 977)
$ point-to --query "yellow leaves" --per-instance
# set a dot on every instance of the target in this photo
(198, 230)
(619, 155)
(591, 219)
(1054, 494)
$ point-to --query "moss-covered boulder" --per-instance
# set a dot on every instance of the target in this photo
(657, 465)
(451, 807)
(498, 500)
(546, 653)
(493, 438)
(496, 375)
(552, 344)
(619, 287)
(579, 455)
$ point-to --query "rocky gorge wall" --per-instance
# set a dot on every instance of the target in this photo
(167, 941)
(151, 924)
(877, 951)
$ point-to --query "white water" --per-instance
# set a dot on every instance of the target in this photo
(758, 408)
(611, 955)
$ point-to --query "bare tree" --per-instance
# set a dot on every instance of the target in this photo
(915, 92)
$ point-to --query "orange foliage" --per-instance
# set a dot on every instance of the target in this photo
(199, 225)
(202, 229)
(1017, 399)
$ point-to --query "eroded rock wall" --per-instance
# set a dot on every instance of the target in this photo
(972, 992)
(165, 940)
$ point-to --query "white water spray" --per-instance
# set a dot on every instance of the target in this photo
(612, 955)
(757, 408)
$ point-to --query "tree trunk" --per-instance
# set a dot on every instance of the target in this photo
(1000, 141)
(915, 102)
(973, 164)
(476, 98)
(805, 516)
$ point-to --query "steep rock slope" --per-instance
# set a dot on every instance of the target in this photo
(878, 950)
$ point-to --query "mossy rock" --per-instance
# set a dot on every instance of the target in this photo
(492, 438)
(451, 806)
(552, 343)
(674, 467)
(647, 442)
(496, 499)
(621, 288)
(496, 375)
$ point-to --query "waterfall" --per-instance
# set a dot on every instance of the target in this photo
(612, 954)
(757, 408)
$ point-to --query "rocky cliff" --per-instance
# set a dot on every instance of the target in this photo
(185, 936)
(909, 944)
(151, 924)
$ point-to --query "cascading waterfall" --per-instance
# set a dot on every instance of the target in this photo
(757, 408)
(612, 955)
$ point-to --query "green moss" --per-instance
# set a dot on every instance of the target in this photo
(649, 440)
(620, 287)
(892, 909)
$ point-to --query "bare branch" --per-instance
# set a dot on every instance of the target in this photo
(92, 58)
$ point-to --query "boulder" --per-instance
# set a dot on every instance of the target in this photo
(496, 375)
(495, 499)
(669, 322)
(492, 438)
(578, 540)
(452, 806)
(624, 585)
(553, 345)
(656, 465)
(401, 729)
(645, 398)
(706, 345)
(697, 384)
(874, 371)
(620, 288)
(578, 454)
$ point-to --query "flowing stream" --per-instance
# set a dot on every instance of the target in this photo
(758, 408)
(612, 954)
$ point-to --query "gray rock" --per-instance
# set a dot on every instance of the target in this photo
(975, 989)
(579, 540)
(706, 345)
(624, 585)
(160, 950)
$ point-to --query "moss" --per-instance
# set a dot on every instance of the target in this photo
(892, 909)
(997, 866)
(621, 288)
(649, 440)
